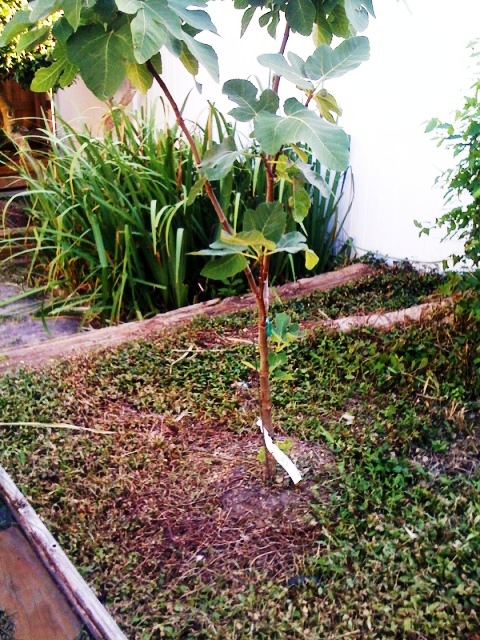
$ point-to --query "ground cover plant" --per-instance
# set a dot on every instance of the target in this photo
(161, 508)
(6, 627)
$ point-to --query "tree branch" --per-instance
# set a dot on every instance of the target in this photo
(283, 46)
(226, 226)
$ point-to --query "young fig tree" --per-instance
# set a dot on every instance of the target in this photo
(106, 41)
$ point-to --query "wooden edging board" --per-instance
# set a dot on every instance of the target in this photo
(82, 599)
(38, 355)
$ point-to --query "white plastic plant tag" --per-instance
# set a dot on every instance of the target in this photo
(282, 459)
(266, 294)
(349, 419)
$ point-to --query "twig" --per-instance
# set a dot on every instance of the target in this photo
(54, 425)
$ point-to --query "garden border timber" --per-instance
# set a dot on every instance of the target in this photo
(38, 355)
(80, 596)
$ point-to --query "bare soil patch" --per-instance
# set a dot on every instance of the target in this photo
(212, 516)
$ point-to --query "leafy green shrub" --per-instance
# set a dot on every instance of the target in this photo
(113, 226)
(21, 65)
(116, 219)
(463, 182)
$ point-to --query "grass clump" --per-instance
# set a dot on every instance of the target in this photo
(7, 626)
(114, 222)
(162, 514)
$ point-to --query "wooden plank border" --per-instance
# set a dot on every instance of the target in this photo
(80, 596)
(39, 354)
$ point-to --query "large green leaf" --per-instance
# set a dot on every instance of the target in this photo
(102, 12)
(311, 259)
(314, 178)
(293, 72)
(199, 20)
(294, 242)
(268, 218)
(244, 93)
(205, 54)
(328, 142)
(225, 267)
(221, 248)
(188, 60)
(219, 159)
(327, 105)
(139, 76)
(357, 12)
(19, 23)
(62, 30)
(129, 6)
(46, 77)
(159, 22)
(31, 39)
(291, 242)
(41, 9)
(299, 201)
(251, 238)
(150, 28)
(61, 71)
(339, 23)
(246, 19)
(72, 10)
(300, 15)
(322, 33)
(101, 57)
(68, 74)
(326, 63)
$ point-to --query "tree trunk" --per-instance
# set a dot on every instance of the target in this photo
(8, 113)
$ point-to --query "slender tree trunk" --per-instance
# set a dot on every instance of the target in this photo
(7, 111)
(259, 289)
(260, 286)
(264, 372)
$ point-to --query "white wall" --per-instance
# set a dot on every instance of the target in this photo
(419, 68)
(79, 107)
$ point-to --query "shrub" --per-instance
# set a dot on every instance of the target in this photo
(463, 185)
(115, 224)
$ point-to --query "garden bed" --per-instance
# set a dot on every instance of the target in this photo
(42, 593)
(162, 506)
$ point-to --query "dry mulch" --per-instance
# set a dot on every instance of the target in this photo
(211, 514)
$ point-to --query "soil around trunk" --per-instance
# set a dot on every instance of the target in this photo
(218, 517)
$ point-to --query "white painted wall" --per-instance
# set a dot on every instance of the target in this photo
(79, 107)
(419, 68)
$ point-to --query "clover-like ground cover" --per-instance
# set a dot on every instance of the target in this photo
(167, 516)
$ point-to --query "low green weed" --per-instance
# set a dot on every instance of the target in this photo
(397, 513)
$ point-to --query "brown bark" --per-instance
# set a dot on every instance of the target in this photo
(264, 371)
(7, 112)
